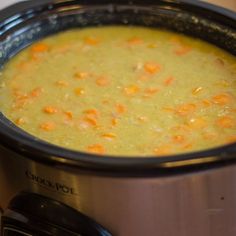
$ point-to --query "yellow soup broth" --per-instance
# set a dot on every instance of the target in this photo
(124, 91)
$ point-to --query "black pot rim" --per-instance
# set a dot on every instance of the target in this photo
(22, 143)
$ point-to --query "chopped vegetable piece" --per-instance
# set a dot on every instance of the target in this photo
(36, 92)
(79, 91)
(163, 150)
(69, 114)
(96, 149)
(222, 99)
(149, 92)
(39, 48)
(50, 110)
(92, 112)
(186, 109)
(20, 121)
(188, 146)
(48, 126)
(169, 81)
(114, 121)
(182, 50)
(131, 90)
(135, 41)
(90, 120)
(178, 139)
(226, 122)
(197, 123)
(81, 75)
(102, 81)
(152, 67)
(92, 41)
(120, 108)
(206, 103)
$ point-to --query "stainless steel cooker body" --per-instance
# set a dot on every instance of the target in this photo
(192, 194)
(195, 203)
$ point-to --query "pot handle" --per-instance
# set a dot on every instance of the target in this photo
(33, 214)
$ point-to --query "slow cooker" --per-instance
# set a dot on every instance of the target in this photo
(48, 190)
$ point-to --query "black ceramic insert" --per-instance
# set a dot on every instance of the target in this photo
(26, 22)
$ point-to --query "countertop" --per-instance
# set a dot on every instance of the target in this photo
(226, 3)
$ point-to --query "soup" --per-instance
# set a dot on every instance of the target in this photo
(123, 91)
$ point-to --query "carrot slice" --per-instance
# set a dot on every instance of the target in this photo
(40, 48)
(81, 75)
(186, 109)
(102, 81)
(92, 112)
(120, 108)
(36, 92)
(50, 110)
(209, 135)
(92, 41)
(188, 146)
(90, 120)
(135, 41)
(163, 149)
(131, 90)
(149, 92)
(225, 122)
(96, 148)
(48, 126)
(79, 91)
(114, 121)
(206, 103)
(152, 67)
(222, 99)
(169, 81)
(197, 123)
(69, 115)
(20, 121)
(182, 50)
(178, 138)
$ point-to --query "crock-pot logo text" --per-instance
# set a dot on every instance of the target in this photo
(54, 186)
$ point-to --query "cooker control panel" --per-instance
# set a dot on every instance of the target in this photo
(31, 214)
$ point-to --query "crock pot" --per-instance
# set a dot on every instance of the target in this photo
(48, 190)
